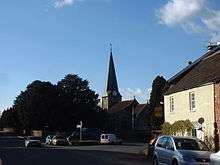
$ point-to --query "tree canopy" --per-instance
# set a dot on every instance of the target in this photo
(57, 107)
(156, 96)
(156, 100)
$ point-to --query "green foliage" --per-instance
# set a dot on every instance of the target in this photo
(178, 127)
(78, 102)
(36, 105)
(156, 98)
(8, 118)
(55, 107)
(157, 91)
(166, 128)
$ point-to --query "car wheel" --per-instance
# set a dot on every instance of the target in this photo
(175, 162)
(155, 161)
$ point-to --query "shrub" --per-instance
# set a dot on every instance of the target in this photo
(166, 128)
(178, 127)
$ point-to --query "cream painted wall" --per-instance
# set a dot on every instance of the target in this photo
(204, 97)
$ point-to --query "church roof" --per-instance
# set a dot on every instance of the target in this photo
(121, 106)
(140, 108)
(205, 70)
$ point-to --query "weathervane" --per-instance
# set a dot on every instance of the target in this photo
(111, 47)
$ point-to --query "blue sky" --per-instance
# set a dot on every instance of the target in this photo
(47, 39)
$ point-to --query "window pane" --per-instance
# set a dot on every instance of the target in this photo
(192, 102)
(171, 104)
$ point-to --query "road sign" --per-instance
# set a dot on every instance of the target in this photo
(78, 126)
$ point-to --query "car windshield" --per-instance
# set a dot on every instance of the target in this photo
(59, 137)
(190, 144)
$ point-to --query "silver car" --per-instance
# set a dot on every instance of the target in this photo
(171, 150)
(215, 158)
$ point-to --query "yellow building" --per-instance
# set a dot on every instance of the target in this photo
(194, 93)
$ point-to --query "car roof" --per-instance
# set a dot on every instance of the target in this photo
(179, 137)
(108, 134)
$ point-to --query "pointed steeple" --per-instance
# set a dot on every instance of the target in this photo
(112, 95)
(112, 85)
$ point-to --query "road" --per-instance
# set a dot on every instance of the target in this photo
(13, 152)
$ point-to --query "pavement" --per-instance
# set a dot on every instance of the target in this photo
(130, 148)
(13, 152)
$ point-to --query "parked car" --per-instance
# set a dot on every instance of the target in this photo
(110, 139)
(49, 139)
(59, 140)
(215, 158)
(32, 141)
(172, 150)
(87, 134)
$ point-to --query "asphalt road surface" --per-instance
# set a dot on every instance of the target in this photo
(13, 152)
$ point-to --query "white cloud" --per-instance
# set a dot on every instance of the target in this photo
(194, 16)
(212, 21)
(179, 11)
(139, 94)
(62, 3)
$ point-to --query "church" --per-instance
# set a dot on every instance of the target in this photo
(126, 115)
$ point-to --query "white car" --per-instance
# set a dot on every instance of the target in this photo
(215, 158)
(110, 139)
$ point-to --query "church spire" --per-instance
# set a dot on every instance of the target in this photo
(112, 95)
(112, 85)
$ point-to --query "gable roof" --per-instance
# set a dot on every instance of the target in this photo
(204, 70)
(121, 106)
(140, 108)
(189, 67)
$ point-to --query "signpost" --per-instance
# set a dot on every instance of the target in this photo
(80, 130)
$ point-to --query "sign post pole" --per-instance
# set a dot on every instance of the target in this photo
(80, 130)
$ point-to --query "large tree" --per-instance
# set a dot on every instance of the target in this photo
(9, 119)
(158, 87)
(59, 107)
(36, 105)
(156, 101)
(79, 102)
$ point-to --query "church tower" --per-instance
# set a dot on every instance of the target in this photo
(112, 95)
